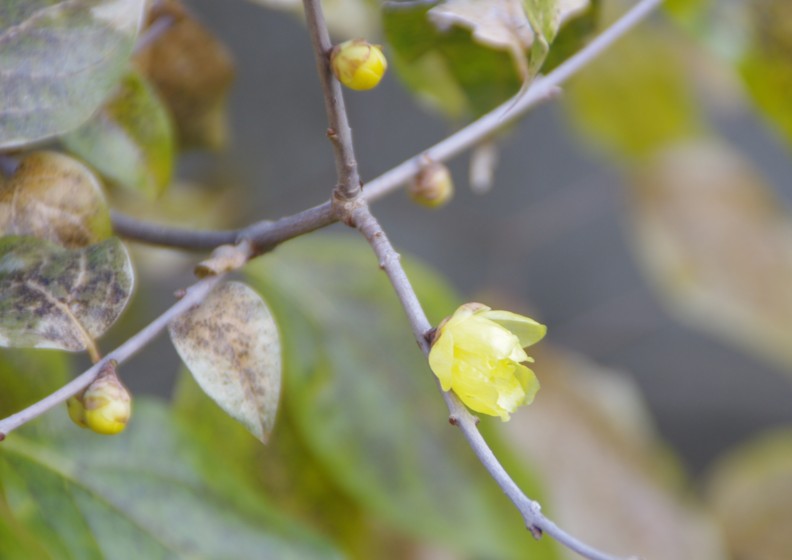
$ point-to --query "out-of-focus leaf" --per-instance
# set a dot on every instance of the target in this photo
(16, 542)
(59, 60)
(231, 345)
(629, 106)
(365, 403)
(54, 197)
(766, 67)
(129, 140)
(138, 495)
(573, 36)
(750, 492)
(463, 58)
(192, 71)
(286, 472)
(718, 245)
(51, 297)
(27, 376)
(345, 18)
(608, 480)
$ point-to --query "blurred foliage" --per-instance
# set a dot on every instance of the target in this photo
(129, 140)
(362, 463)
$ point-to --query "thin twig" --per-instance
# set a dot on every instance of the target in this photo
(192, 296)
(268, 234)
(530, 510)
(340, 133)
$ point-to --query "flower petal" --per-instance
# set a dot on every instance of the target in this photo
(524, 328)
(481, 336)
(529, 382)
(441, 358)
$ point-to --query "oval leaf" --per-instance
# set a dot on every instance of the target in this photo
(363, 400)
(54, 197)
(230, 344)
(51, 297)
(145, 494)
(59, 61)
(129, 140)
(716, 242)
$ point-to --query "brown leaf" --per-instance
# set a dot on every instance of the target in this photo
(192, 71)
(54, 197)
(230, 344)
(718, 244)
(605, 475)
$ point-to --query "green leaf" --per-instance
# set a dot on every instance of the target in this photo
(54, 197)
(59, 61)
(547, 16)
(632, 108)
(129, 140)
(138, 495)
(231, 345)
(448, 70)
(51, 297)
(27, 376)
(364, 401)
(291, 476)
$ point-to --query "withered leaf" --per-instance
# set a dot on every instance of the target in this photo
(54, 197)
(231, 345)
(192, 71)
(58, 61)
(51, 297)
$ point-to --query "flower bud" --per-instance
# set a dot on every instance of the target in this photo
(432, 187)
(358, 64)
(107, 404)
(76, 410)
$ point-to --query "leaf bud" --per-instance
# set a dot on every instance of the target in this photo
(107, 404)
(358, 64)
(432, 186)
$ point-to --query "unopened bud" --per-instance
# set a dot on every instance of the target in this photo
(432, 186)
(76, 410)
(358, 64)
(108, 405)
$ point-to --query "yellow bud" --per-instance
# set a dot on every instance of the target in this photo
(76, 410)
(108, 405)
(358, 64)
(432, 187)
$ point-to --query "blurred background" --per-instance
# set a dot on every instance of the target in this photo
(641, 216)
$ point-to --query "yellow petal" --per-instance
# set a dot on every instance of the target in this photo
(529, 382)
(524, 328)
(480, 336)
(441, 358)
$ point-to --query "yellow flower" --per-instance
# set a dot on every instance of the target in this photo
(478, 353)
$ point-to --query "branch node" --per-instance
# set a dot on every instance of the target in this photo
(536, 532)
(180, 293)
(453, 420)
(344, 207)
(2, 436)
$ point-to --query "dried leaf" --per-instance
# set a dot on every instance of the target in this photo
(54, 197)
(608, 480)
(58, 61)
(129, 140)
(51, 297)
(192, 71)
(230, 344)
(716, 242)
(750, 491)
